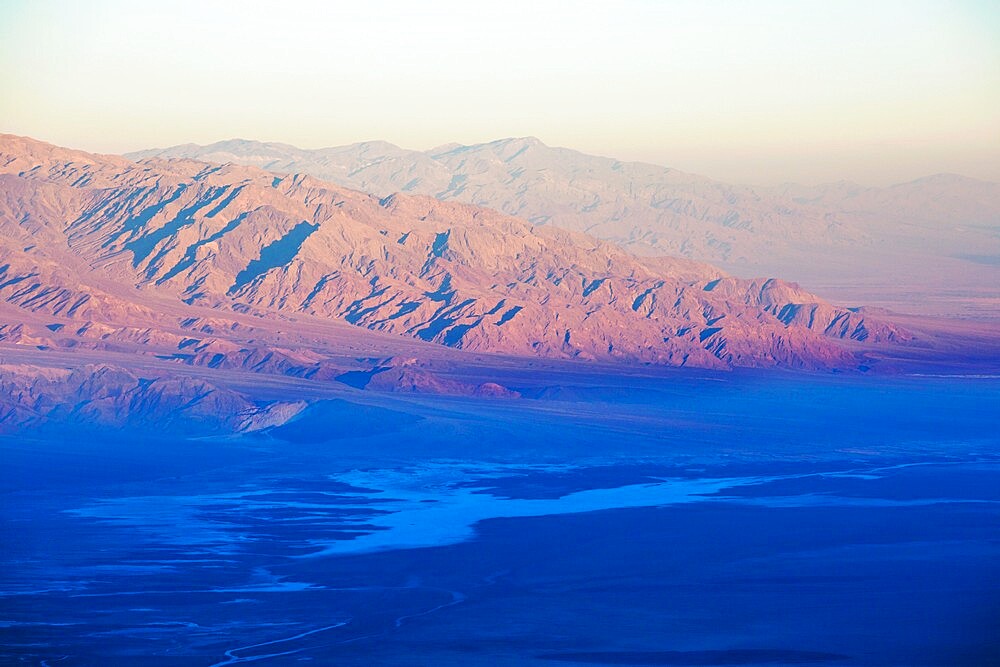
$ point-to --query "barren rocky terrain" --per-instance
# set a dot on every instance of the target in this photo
(928, 246)
(169, 282)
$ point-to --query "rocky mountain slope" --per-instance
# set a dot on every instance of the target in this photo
(854, 242)
(114, 396)
(108, 244)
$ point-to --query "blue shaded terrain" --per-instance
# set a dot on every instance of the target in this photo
(688, 519)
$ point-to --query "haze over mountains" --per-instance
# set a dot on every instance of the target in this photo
(928, 246)
(236, 238)
(169, 276)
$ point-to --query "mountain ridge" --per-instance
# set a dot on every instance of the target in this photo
(844, 239)
(239, 239)
(164, 151)
(198, 296)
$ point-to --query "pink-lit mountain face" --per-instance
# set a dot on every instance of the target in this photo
(114, 252)
(928, 246)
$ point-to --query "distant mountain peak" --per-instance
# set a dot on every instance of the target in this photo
(843, 235)
(523, 141)
(946, 178)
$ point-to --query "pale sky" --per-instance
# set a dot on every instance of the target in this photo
(875, 91)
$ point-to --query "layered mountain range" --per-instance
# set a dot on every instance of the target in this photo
(931, 245)
(100, 238)
(170, 281)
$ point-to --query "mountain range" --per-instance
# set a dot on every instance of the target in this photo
(927, 246)
(171, 283)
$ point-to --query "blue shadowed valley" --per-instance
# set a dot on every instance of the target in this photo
(793, 520)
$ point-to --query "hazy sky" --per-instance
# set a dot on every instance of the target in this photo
(875, 91)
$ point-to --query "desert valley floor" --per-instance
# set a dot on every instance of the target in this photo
(642, 516)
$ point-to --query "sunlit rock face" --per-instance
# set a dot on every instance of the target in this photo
(846, 240)
(107, 243)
